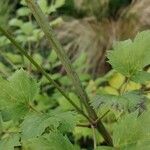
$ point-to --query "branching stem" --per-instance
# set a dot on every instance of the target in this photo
(24, 52)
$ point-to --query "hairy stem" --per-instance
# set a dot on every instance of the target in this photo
(44, 24)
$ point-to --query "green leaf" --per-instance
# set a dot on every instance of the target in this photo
(17, 92)
(4, 41)
(59, 3)
(141, 145)
(44, 5)
(27, 28)
(15, 22)
(52, 57)
(68, 121)
(142, 47)
(141, 77)
(54, 6)
(14, 58)
(126, 131)
(36, 124)
(52, 141)
(129, 57)
(127, 101)
(132, 132)
(25, 88)
(24, 11)
(10, 142)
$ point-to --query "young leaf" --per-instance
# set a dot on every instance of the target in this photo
(17, 92)
(120, 57)
(24, 11)
(129, 57)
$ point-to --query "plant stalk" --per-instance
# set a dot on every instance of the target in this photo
(24, 52)
(44, 24)
(51, 37)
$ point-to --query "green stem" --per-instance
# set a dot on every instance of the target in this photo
(94, 137)
(24, 52)
(44, 24)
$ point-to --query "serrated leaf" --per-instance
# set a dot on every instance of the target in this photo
(52, 141)
(128, 101)
(123, 131)
(17, 92)
(35, 125)
(142, 47)
(25, 87)
(128, 56)
(132, 132)
(68, 121)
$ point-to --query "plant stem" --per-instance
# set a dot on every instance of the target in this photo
(101, 129)
(94, 137)
(44, 24)
(24, 52)
(124, 86)
(101, 117)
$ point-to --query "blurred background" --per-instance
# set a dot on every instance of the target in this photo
(87, 29)
(84, 27)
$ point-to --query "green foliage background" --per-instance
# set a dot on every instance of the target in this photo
(35, 116)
